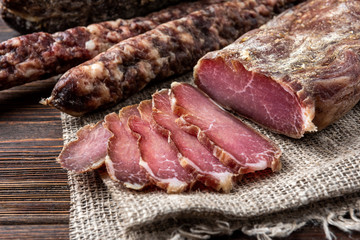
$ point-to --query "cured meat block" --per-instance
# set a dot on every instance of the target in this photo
(298, 73)
(122, 161)
(196, 158)
(57, 15)
(159, 158)
(88, 151)
(41, 55)
(234, 143)
(171, 48)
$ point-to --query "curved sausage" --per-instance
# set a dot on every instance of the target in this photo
(41, 55)
(171, 48)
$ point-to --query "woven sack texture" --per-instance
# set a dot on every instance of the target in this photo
(319, 180)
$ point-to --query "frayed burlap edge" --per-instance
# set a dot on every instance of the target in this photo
(95, 215)
(342, 212)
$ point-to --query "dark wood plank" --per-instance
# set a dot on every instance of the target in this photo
(6, 32)
(34, 195)
(46, 231)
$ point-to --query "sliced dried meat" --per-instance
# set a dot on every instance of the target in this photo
(296, 74)
(159, 158)
(171, 48)
(41, 55)
(122, 161)
(196, 158)
(88, 151)
(234, 143)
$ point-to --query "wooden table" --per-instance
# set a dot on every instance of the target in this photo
(34, 195)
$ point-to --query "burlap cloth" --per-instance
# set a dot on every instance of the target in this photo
(319, 182)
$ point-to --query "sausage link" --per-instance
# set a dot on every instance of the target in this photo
(171, 48)
(41, 55)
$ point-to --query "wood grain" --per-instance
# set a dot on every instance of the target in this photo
(46, 231)
(34, 195)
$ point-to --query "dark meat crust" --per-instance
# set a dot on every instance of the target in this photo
(171, 48)
(58, 15)
(313, 50)
(41, 55)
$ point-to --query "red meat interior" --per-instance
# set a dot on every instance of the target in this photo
(252, 95)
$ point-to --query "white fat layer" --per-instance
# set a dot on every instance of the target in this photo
(98, 163)
(95, 69)
(30, 71)
(308, 115)
(90, 45)
(172, 100)
(260, 165)
(223, 152)
(109, 166)
(15, 42)
(94, 29)
(134, 186)
(174, 184)
(224, 178)
(217, 175)
(128, 49)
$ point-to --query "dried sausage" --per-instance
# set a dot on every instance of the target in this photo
(41, 55)
(171, 48)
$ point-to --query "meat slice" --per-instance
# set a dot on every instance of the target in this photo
(196, 158)
(297, 74)
(234, 143)
(122, 161)
(88, 151)
(171, 48)
(159, 158)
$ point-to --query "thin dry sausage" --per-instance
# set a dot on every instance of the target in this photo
(41, 55)
(171, 48)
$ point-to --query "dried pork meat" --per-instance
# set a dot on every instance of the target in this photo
(159, 158)
(88, 151)
(41, 55)
(171, 48)
(298, 73)
(234, 143)
(122, 161)
(196, 158)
